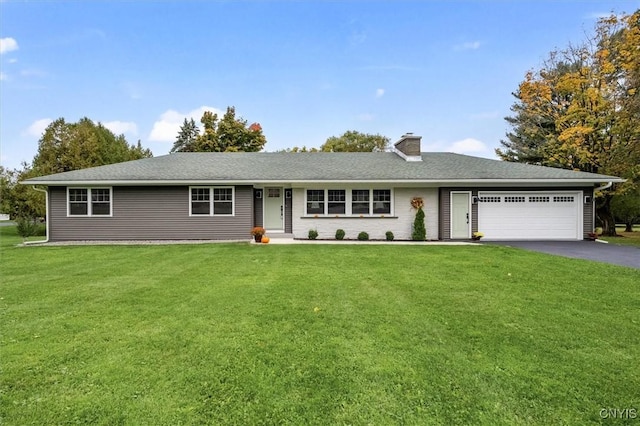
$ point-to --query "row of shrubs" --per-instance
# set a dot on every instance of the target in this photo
(340, 234)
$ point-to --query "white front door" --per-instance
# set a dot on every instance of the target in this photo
(460, 215)
(274, 209)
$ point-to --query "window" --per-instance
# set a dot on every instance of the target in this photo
(78, 202)
(222, 201)
(360, 201)
(100, 201)
(337, 201)
(89, 201)
(349, 202)
(489, 199)
(200, 201)
(208, 201)
(381, 201)
(539, 199)
(274, 192)
(563, 199)
(315, 201)
(514, 199)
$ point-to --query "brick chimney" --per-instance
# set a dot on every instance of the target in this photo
(408, 147)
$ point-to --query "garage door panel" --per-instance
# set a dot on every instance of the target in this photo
(522, 215)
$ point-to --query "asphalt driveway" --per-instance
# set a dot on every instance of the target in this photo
(590, 250)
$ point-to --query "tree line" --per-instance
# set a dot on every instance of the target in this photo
(581, 110)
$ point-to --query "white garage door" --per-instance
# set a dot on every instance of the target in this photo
(530, 215)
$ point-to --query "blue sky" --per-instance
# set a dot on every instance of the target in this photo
(305, 70)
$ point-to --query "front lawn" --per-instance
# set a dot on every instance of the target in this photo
(625, 238)
(313, 334)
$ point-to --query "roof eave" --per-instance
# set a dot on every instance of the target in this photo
(169, 182)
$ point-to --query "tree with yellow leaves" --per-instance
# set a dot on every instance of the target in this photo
(581, 110)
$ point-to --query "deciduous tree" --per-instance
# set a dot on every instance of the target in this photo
(229, 134)
(579, 111)
(353, 141)
(65, 147)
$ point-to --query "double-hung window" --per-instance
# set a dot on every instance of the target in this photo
(336, 200)
(360, 201)
(222, 201)
(89, 201)
(349, 202)
(381, 201)
(315, 201)
(211, 201)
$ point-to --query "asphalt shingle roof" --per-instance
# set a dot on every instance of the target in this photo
(307, 167)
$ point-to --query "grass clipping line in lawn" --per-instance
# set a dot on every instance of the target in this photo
(313, 334)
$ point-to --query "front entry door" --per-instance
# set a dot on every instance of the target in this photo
(460, 215)
(274, 209)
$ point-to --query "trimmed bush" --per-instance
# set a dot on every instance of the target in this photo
(340, 234)
(419, 232)
(313, 234)
(389, 235)
(27, 226)
(363, 236)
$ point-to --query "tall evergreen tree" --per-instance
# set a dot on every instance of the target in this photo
(187, 137)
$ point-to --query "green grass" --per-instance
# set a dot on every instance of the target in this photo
(313, 334)
(625, 238)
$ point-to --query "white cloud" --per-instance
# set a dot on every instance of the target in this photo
(13, 60)
(120, 127)
(8, 44)
(167, 127)
(33, 73)
(379, 93)
(470, 45)
(3, 76)
(467, 145)
(38, 127)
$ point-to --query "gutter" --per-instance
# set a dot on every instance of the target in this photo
(46, 195)
(603, 187)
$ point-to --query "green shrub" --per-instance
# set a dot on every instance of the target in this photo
(313, 234)
(363, 236)
(389, 235)
(419, 232)
(27, 226)
(340, 234)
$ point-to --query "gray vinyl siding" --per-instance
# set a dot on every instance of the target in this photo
(445, 206)
(588, 213)
(288, 211)
(150, 213)
(258, 207)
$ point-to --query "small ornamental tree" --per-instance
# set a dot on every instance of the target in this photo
(419, 232)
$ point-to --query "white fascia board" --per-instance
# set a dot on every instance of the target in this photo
(410, 182)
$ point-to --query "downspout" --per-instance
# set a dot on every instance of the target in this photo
(593, 206)
(46, 195)
(602, 187)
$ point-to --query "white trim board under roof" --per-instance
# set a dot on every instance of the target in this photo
(435, 169)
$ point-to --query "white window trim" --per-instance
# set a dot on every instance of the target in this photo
(89, 201)
(211, 213)
(348, 203)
